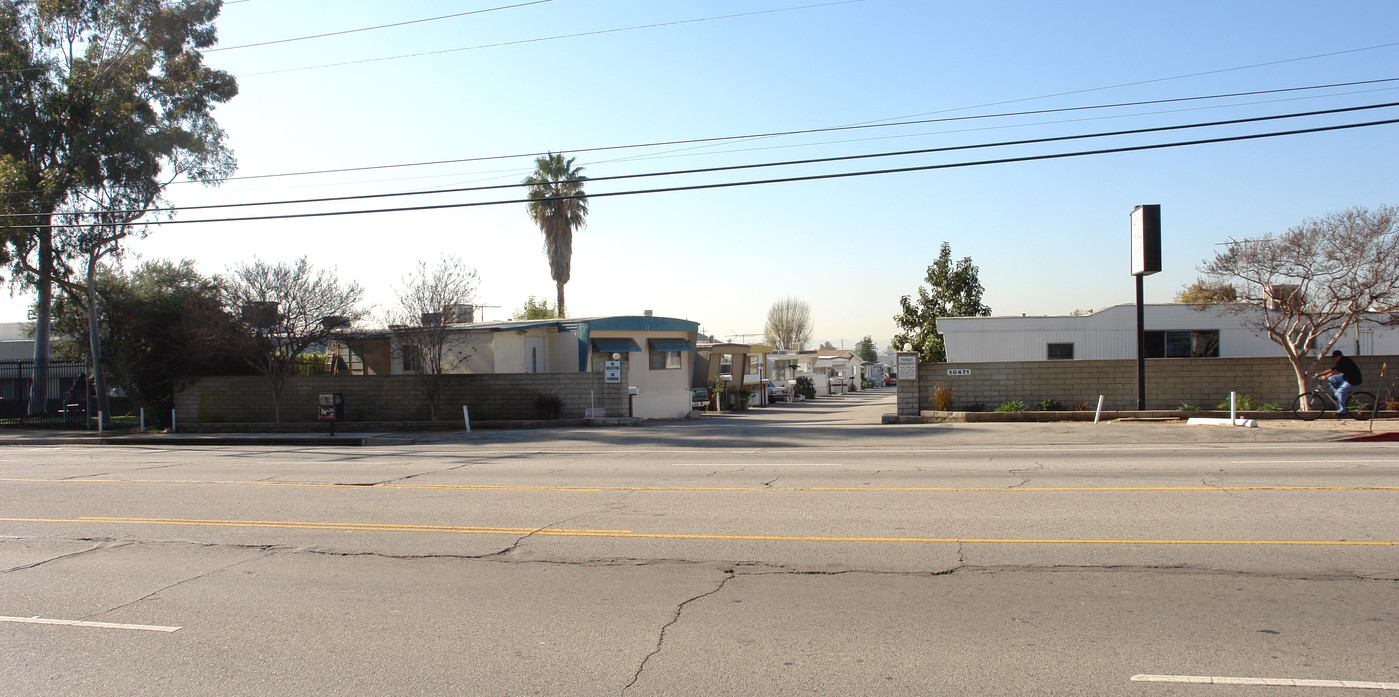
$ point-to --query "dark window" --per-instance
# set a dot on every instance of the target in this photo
(412, 358)
(1182, 344)
(1061, 352)
(1204, 344)
(663, 360)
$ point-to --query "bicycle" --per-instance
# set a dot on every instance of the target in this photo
(1310, 406)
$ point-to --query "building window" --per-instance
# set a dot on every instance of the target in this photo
(412, 358)
(1182, 344)
(1061, 352)
(664, 360)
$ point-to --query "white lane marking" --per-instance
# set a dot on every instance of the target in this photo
(96, 625)
(1348, 461)
(1271, 682)
(763, 464)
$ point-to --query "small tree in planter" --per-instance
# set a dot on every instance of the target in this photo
(717, 389)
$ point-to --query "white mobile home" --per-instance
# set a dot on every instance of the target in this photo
(1173, 330)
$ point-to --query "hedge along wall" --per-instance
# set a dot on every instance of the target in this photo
(1203, 382)
(396, 398)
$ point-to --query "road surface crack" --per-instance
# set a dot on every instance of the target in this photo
(729, 575)
(158, 591)
(22, 567)
(420, 474)
(611, 506)
(1039, 467)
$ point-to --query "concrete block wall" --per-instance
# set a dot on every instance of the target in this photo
(1203, 382)
(398, 398)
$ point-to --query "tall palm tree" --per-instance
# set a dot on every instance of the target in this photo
(558, 206)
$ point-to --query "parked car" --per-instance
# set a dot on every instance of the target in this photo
(778, 390)
(699, 398)
(890, 381)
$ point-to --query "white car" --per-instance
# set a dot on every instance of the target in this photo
(778, 390)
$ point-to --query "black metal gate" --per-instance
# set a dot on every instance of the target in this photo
(70, 389)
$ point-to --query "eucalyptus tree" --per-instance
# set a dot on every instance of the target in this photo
(105, 103)
(558, 206)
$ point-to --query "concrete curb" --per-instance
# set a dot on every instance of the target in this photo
(932, 417)
(320, 429)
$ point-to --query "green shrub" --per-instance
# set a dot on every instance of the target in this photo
(1187, 407)
(1013, 405)
(1051, 405)
(806, 388)
(1242, 402)
(1268, 406)
(310, 364)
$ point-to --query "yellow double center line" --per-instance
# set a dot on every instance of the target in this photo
(568, 532)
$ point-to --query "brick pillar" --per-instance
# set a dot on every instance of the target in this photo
(908, 390)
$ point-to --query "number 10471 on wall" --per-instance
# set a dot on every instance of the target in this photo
(959, 371)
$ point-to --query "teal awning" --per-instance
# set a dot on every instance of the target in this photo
(611, 345)
(671, 345)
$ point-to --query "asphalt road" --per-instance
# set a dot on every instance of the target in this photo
(804, 549)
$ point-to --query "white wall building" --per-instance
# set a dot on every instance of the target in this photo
(1173, 330)
(14, 344)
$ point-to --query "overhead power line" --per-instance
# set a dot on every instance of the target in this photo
(381, 26)
(541, 39)
(812, 131)
(783, 163)
(1138, 83)
(781, 180)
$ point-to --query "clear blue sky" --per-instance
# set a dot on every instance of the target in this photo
(1049, 236)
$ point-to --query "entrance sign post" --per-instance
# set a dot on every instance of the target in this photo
(1146, 260)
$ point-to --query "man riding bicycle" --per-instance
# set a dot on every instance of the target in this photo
(1343, 377)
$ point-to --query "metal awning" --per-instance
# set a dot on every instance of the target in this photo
(670, 345)
(615, 345)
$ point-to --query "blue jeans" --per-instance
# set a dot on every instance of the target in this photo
(1342, 388)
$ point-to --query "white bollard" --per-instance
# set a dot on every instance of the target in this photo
(172, 421)
(465, 414)
(1233, 418)
(99, 423)
(143, 418)
(1098, 413)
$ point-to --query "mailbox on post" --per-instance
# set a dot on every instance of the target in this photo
(331, 408)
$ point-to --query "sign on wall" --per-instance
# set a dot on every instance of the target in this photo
(908, 366)
(612, 371)
(958, 372)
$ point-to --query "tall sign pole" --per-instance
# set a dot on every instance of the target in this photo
(1146, 260)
